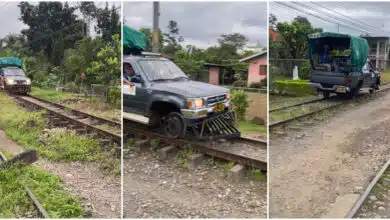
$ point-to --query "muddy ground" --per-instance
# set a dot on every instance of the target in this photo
(320, 170)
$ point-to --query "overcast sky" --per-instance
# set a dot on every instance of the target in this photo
(201, 23)
(10, 14)
(371, 13)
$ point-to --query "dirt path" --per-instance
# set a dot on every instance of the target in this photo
(155, 189)
(321, 170)
(100, 193)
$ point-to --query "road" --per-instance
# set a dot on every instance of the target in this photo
(320, 170)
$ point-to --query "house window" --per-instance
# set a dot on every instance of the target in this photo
(263, 70)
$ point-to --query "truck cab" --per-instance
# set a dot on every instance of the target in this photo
(12, 76)
(339, 64)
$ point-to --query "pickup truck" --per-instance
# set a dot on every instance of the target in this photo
(161, 95)
(339, 65)
(12, 77)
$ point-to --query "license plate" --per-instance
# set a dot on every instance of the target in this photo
(341, 90)
(219, 107)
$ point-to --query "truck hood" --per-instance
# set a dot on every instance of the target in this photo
(190, 89)
(16, 77)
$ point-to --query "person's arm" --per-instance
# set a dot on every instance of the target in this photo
(125, 81)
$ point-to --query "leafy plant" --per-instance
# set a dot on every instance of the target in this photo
(240, 83)
(240, 103)
(294, 87)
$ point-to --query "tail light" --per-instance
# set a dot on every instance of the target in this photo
(347, 80)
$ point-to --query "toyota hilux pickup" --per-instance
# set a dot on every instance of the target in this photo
(160, 94)
(339, 64)
(12, 77)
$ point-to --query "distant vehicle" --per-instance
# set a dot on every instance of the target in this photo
(12, 77)
(339, 64)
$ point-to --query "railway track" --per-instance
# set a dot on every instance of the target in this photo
(332, 106)
(364, 196)
(41, 212)
(245, 151)
(106, 131)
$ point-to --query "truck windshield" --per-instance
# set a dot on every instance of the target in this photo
(161, 70)
(13, 72)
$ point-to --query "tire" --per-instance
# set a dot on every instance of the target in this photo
(371, 91)
(174, 125)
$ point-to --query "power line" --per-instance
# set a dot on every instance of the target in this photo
(321, 18)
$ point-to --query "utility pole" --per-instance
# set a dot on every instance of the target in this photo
(155, 37)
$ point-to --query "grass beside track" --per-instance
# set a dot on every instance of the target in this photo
(250, 128)
(60, 144)
(15, 203)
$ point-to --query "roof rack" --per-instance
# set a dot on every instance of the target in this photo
(144, 53)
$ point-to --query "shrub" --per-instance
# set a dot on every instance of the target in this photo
(264, 82)
(294, 87)
(256, 85)
(115, 97)
(71, 87)
(240, 83)
(240, 103)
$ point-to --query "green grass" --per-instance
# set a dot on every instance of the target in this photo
(14, 202)
(50, 94)
(28, 129)
(385, 76)
(249, 127)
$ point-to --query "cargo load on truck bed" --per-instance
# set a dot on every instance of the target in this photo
(133, 40)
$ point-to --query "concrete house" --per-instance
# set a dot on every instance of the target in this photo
(257, 69)
(379, 48)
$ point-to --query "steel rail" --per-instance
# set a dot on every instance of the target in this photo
(205, 148)
(352, 212)
(73, 120)
(274, 124)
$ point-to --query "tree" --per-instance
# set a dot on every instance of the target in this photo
(52, 27)
(236, 40)
(108, 23)
(293, 37)
(173, 38)
(272, 21)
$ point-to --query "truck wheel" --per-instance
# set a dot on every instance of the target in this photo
(326, 95)
(174, 125)
(371, 91)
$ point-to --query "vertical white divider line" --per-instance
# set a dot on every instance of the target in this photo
(122, 141)
(268, 143)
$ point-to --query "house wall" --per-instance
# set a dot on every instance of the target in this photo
(254, 74)
(257, 106)
(214, 75)
(379, 52)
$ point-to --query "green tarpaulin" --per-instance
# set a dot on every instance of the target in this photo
(10, 61)
(133, 39)
(357, 45)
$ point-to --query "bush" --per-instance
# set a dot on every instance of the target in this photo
(264, 82)
(256, 85)
(240, 83)
(240, 103)
(115, 97)
(72, 87)
(294, 87)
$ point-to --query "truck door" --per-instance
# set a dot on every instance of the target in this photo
(135, 97)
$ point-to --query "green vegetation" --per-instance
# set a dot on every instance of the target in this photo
(240, 104)
(256, 174)
(28, 129)
(294, 87)
(385, 76)
(49, 190)
(50, 94)
(249, 127)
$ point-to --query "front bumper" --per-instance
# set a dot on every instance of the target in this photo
(19, 88)
(335, 88)
(194, 114)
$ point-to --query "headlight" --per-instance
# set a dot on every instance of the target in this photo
(10, 82)
(228, 96)
(28, 81)
(195, 103)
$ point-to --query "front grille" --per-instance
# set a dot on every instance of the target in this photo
(215, 99)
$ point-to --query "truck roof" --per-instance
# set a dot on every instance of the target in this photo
(136, 58)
